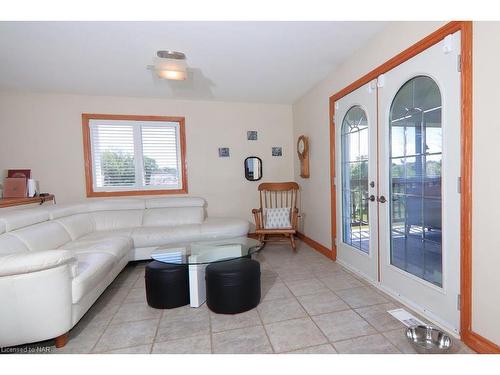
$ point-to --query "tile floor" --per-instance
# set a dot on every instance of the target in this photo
(309, 305)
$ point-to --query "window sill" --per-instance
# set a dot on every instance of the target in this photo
(94, 194)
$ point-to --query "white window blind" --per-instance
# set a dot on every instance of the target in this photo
(135, 155)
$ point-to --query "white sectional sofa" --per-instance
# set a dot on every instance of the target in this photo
(55, 261)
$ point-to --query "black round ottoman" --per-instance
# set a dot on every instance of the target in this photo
(167, 285)
(233, 286)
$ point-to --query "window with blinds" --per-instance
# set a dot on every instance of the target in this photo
(135, 155)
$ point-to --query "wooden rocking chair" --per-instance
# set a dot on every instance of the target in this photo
(277, 195)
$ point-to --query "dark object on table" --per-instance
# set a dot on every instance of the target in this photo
(167, 285)
(233, 286)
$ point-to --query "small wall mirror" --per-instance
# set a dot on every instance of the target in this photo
(253, 168)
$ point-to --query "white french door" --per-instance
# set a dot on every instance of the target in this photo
(409, 235)
(356, 142)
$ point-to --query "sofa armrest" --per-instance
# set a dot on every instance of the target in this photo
(21, 263)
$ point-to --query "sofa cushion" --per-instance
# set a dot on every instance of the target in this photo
(173, 216)
(115, 204)
(57, 211)
(108, 220)
(10, 244)
(15, 219)
(166, 202)
(44, 236)
(125, 232)
(158, 236)
(91, 269)
(77, 225)
(224, 228)
(2, 227)
(116, 246)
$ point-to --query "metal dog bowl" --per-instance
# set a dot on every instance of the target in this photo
(428, 340)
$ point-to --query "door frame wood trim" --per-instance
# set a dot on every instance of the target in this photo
(471, 338)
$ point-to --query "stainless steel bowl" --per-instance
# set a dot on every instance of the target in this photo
(428, 340)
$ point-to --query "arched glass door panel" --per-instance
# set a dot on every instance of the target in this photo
(355, 222)
(415, 173)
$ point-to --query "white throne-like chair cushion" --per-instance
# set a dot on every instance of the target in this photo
(277, 218)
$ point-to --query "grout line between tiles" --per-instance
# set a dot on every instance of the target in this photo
(109, 323)
(156, 332)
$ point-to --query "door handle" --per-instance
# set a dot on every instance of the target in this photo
(371, 198)
(382, 199)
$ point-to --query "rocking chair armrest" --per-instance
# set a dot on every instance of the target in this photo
(295, 217)
(257, 214)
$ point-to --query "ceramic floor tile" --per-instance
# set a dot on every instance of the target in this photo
(304, 287)
(341, 281)
(322, 303)
(112, 296)
(129, 312)
(126, 278)
(136, 295)
(374, 344)
(186, 313)
(320, 349)
(242, 341)
(183, 322)
(326, 270)
(291, 274)
(224, 322)
(280, 309)
(123, 335)
(378, 317)
(140, 349)
(190, 345)
(180, 329)
(139, 283)
(294, 334)
(275, 290)
(360, 297)
(343, 325)
(100, 312)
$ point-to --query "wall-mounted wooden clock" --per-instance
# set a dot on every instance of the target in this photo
(303, 151)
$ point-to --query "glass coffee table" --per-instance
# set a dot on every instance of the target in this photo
(198, 254)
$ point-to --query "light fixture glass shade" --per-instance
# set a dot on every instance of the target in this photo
(171, 69)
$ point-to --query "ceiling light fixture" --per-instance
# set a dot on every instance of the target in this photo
(171, 65)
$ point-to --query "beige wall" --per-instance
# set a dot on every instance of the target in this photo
(43, 132)
(310, 115)
(486, 182)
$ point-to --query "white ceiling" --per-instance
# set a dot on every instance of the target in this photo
(269, 62)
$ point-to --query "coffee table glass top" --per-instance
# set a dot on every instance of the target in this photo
(206, 252)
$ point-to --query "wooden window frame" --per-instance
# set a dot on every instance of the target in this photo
(87, 154)
(471, 338)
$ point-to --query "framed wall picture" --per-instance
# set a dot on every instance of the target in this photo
(277, 151)
(252, 135)
(223, 152)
